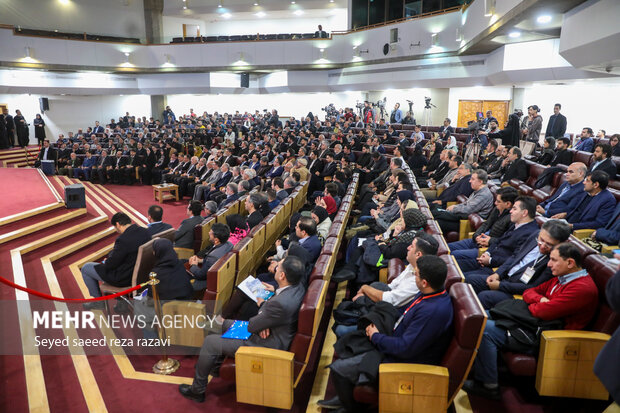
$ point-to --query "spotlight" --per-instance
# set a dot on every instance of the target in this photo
(434, 39)
(544, 19)
(489, 8)
(514, 35)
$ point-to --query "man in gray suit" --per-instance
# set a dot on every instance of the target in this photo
(218, 235)
(274, 326)
(184, 237)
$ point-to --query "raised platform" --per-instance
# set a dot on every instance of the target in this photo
(28, 189)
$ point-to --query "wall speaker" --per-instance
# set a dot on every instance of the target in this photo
(245, 80)
(394, 35)
(75, 196)
(44, 104)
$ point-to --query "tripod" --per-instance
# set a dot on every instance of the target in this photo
(427, 115)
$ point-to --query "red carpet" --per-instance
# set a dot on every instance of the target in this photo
(13, 184)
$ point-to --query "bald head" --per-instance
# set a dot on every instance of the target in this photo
(576, 172)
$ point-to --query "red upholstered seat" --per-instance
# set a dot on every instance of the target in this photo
(306, 329)
(475, 221)
(468, 324)
(581, 156)
(605, 320)
(320, 268)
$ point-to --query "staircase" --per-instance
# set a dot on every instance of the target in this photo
(19, 157)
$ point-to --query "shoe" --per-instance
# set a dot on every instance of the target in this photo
(94, 305)
(331, 404)
(121, 307)
(343, 275)
(479, 389)
(186, 391)
(356, 212)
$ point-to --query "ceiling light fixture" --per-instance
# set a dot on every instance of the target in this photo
(298, 12)
(514, 35)
(434, 39)
(226, 15)
(184, 7)
(545, 18)
(220, 4)
(256, 2)
(64, 2)
(260, 14)
(459, 34)
(292, 1)
(489, 8)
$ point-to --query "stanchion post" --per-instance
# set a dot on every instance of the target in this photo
(165, 365)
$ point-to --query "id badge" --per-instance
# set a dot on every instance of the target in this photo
(527, 275)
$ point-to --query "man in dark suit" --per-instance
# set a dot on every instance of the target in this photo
(566, 197)
(116, 172)
(155, 226)
(315, 165)
(602, 160)
(610, 234)
(73, 163)
(305, 230)
(98, 128)
(320, 33)
(557, 123)
(379, 164)
(117, 269)
(562, 154)
(274, 326)
(608, 360)
(184, 237)
(218, 235)
(518, 169)
(596, 205)
(447, 130)
(104, 163)
(526, 268)
(252, 203)
(47, 153)
(522, 216)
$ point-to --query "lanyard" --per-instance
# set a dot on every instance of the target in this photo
(414, 303)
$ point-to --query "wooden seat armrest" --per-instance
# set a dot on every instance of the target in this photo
(464, 229)
(609, 249)
(449, 204)
(184, 253)
(517, 296)
(582, 233)
(482, 250)
(264, 377)
(399, 383)
(383, 275)
(576, 334)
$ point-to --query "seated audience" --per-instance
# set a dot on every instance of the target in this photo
(252, 204)
(566, 197)
(601, 160)
(585, 143)
(420, 335)
(570, 297)
(117, 269)
(218, 235)
(184, 237)
(323, 222)
(155, 226)
(274, 326)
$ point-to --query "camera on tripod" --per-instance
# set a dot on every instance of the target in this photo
(427, 103)
(381, 103)
(330, 110)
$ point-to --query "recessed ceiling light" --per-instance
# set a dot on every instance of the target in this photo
(292, 1)
(298, 12)
(544, 19)
(256, 2)
(184, 7)
(514, 35)
(261, 14)
(226, 15)
(64, 2)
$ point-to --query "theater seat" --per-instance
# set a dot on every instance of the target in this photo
(433, 387)
(286, 368)
(145, 261)
(566, 357)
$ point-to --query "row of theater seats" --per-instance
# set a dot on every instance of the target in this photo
(74, 36)
(243, 38)
(296, 365)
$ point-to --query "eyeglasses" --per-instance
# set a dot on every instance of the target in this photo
(545, 243)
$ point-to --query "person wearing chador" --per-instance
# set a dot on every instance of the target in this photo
(39, 129)
(21, 126)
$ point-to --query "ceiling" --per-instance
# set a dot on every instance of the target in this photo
(208, 10)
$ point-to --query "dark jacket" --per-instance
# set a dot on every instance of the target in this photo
(607, 166)
(556, 126)
(117, 270)
(517, 170)
(503, 247)
(593, 212)
(610, 235)
(608, 360)
(460, 187)
(313, 246)
(564, 157)
(157, 227)
(254, 219)
(496, 224)
(567, 202)
(210, 257)
(184, 237)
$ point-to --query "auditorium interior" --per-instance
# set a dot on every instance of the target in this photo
(435, 230)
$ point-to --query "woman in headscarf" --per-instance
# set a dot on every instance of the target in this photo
(417, 161)
(548, 152)
(174, 283)
(39, 129)
(239, 228)
(323, 222)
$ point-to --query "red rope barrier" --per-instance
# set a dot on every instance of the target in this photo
(73, 300)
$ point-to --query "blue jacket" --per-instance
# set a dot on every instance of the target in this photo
(313, 246)
(460, 187)
(274, 171)
(398, 115)
(586, 145)
(567, 202)
(509, 242)
(610, 235)
(422, 327)
(593, 212)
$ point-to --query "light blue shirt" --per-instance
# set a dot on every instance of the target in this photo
(534, 254)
